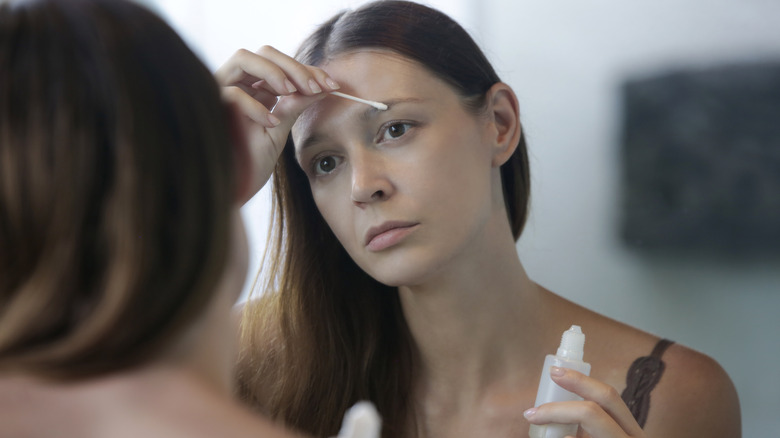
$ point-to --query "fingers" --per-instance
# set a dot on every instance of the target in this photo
(250, 107)
(603, 395)
(589, 415)
(270, 90)
(276, 71)
(290, 75)
(602, 414)
(256, 82)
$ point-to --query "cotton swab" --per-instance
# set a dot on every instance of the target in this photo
(378, 105)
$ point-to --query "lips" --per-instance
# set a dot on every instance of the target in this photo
(388, 234)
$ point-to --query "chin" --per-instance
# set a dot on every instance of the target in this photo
(406, 271)
(404, 265)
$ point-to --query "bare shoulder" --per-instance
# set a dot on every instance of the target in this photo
(695, 397)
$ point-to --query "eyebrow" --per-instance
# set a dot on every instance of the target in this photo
(369, 113)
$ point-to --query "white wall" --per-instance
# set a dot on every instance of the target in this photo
(566, 60)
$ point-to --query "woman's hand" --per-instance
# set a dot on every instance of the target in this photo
(602, 414)
(253, 83)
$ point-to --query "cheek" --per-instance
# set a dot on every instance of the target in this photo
(336, 214)
(460, 183)
(460, 163)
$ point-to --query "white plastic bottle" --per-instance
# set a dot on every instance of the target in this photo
(569, 355)
(361, 421)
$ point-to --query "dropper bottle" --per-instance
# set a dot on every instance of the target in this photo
(569, 355)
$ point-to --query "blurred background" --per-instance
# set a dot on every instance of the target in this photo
(569, 63)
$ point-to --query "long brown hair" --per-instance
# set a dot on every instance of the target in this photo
(325, 334)
(116, 186)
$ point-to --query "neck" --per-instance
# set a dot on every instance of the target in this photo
(473, 325)
(209, 346)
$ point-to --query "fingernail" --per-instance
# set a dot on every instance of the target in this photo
(332, 84)
(315, 88)
(290, 87)
(273, 119)
(529, 413)
(557, 371)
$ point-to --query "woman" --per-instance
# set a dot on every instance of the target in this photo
(122, 250)
(394, 276)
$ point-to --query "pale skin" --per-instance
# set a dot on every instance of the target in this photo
(481, 326)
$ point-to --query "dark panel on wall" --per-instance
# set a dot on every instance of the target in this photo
(701, 160)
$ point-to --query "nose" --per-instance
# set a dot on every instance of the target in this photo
(370, 182)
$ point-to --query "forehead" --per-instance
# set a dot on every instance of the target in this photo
(368, 69)
(374, 75)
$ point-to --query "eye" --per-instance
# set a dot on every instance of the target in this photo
(395, 130)
(325, 165)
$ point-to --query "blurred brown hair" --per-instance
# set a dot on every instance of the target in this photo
(325, 334)
(115, 186)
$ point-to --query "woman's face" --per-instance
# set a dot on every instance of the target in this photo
(407, 191)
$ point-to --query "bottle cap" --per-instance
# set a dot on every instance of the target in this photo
(572, 343)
